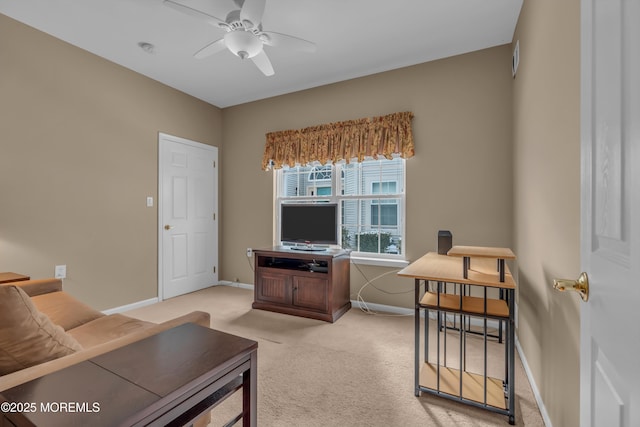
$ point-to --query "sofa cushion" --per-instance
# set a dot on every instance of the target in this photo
(27, 336)
(107, 328)
(64, 310)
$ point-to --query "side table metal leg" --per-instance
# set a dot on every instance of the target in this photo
(511, 343)
(416, 379)
(250, 393)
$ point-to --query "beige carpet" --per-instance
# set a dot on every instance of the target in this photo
(355, 372)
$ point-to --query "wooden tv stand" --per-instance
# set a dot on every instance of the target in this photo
(312, 284)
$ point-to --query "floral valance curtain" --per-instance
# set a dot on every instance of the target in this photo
(374, 137)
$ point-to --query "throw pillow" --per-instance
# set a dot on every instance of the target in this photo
(27, 336)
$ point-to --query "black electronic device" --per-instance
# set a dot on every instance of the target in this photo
(309, 224)
(319, 266)
(445, 241)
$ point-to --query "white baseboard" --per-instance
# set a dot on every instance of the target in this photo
(373, 307)
(534, 387)
(131, 306)
(365, 306)
(391, 309)
(234, 284)
(150, 301)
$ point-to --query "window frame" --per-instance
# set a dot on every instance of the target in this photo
(338, 197)
(375, 203)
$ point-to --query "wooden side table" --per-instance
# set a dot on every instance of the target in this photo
(8, 277)
(166, 379)
(460, 384)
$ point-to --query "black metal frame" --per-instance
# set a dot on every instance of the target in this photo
(508, 382)
(468, 329)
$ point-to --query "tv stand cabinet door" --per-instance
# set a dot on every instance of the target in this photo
(311, 293)
(273, 287)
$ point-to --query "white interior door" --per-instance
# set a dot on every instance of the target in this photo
(610, 128)
(187, 211)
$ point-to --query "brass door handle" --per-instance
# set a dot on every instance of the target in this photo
(168, 227)
(581, 285)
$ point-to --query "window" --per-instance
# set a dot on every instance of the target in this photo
(370, 196)
(384, 212)
(320, 181)
(320, 173)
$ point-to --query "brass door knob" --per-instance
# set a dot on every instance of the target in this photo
(168, 227)
(580, 286)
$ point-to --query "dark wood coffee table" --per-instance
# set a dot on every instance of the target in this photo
(167, 379)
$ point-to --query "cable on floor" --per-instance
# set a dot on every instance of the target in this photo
(369, 282)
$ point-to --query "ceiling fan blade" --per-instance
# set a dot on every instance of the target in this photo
(210, 49)
(286, 41)
(194, 12)
(251, 12)
(262, 62)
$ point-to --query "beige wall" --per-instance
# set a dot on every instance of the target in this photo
(547, 199)
(460, 178)
(78, 157)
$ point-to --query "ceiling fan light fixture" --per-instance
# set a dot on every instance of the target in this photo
(243, 43)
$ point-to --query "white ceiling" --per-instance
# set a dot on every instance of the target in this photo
(354, 38)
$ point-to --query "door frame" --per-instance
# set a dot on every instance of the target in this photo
(161, 137)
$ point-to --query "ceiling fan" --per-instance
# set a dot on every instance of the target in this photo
(244, 35)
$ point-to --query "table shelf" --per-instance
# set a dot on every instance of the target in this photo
(472, 385)
(481, 252)
(448, 269)
(496, 308)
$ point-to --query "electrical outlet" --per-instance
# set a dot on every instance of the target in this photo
(249, 252)
(61, 272)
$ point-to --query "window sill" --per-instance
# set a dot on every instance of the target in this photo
(379, 262)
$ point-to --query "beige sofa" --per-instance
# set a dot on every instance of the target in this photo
(44, 329)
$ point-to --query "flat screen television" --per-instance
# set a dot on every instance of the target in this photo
(310, 224)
